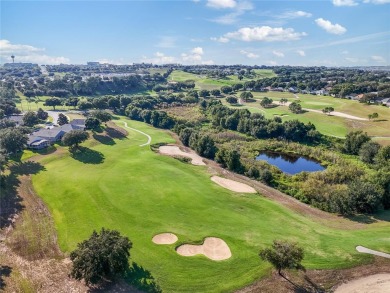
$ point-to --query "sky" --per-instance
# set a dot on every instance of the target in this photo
(223, 32)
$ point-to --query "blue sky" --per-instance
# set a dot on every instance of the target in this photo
(326, 32)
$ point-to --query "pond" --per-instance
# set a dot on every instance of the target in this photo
(290, 164)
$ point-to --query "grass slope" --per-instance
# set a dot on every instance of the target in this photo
(141, 193)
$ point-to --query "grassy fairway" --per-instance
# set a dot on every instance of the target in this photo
(202, 82)
(141, 193)
(329, 125)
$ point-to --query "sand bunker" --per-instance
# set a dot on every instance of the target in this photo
(172, 150)
(363, 249)
(371, 284)
(213, 248)
(164, 238)
(233, 185)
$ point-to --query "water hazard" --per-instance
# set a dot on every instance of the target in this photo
(290, 164)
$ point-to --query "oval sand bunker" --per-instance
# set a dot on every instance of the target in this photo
(173, 150)
(212, 247)
(371, 284)
(164, 238)
(233, 185)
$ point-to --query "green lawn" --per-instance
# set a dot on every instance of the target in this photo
(202, 82)
(141, 193)
(329, 125)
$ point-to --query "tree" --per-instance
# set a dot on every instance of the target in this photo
(204, 93)
(53, 102)
(226, 89)
(295, 107)
(30, 119)
(42, 115)
(373, 116)
(283, 255)
(368, 151)
(12, 140)
(216, 92)
(73, 138)
(62, 119)
(114, 103)
(327, 110)
(354, 140)
(103, 256)
(283, 101)
(266, 102)
(246, 96)
(102, 116)
(231, 100)
(92, 123)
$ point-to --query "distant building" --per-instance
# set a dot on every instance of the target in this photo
(93, 64)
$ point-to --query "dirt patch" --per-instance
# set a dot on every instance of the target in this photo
(173, 150)
(317, 281)
(371, 284)
(164, 238)
(212, 247)
(233, 185)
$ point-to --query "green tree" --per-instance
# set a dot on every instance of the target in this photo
(327, 110)
(114, 103)
(295, 107)
(283, 101)
(42, 115)
(283, 255)
(53, 102)
(266, 102)
(368, 151)
(101, 115)
(73, 138)
(12, 140)
(204, 93)
(92, 123)
(30, 119)
(246, 96)
(62, 119)
(103, 256)
(231, 100)
(354, 140)
(365, 197)
(226, 89)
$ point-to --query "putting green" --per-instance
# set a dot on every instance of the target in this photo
(123, 186)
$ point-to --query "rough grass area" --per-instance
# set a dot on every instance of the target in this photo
(141, 193)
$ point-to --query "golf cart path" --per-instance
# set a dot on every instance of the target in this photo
(139, 131)
(363, 249)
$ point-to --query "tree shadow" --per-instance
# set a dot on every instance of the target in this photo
(382, 215)
(5, 271)
(104, 139)
(379, 120)
(142, 279)
(87, 156)
(10, 201)
(26, 168)
(114, 133)
(308, 287)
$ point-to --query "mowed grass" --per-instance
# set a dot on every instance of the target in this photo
(141, 193)
(204, 83)
(329, 125)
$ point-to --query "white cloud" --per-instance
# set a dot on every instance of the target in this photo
(294, 14)
(27, 53)
(272, 63)
(160, 58)
(377, 1)
(344, 2)
(264, 34)
(249, 54)
(335, 29)
(345, 52)
(301, 53)
(221, 4)
(278, 53)
(197, 51)
(195, 57)
(233, 17)
(220, 40)
(378, 59)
